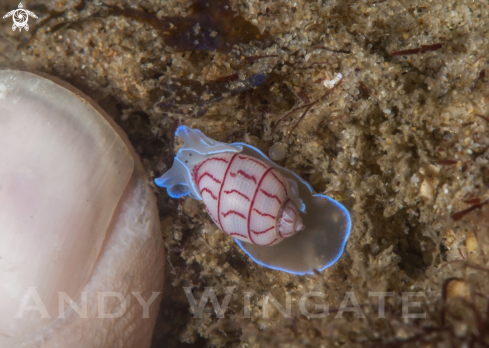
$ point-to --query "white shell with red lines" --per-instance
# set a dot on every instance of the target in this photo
(246, 198)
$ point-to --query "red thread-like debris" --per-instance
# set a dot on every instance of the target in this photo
(483, 117)
(447, 162)
(473, 201)
(422, 49)
(459, 215)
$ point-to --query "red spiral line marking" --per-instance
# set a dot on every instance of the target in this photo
(229, 212)
(264, 231)
(273, 241)
(239, 193)
(253, 160)
(237, 234)
(205, 189)
(280, 181)
(270, 195)
(210, 176)
(210, 159)
(264, 214)
(243, 173)
(220, 190)
(253, 201)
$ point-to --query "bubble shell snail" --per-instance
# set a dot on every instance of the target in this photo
(247, 198)
(270, 211)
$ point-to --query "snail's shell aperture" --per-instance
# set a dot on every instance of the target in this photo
(76, 215)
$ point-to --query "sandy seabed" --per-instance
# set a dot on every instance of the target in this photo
(402, 142)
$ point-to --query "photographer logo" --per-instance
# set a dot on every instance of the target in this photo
(20, 17)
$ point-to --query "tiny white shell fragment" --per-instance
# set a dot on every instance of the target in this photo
(333, 82)
(426, 191)
(414, 179)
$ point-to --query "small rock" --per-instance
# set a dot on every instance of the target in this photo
(457, 288)
(277, 151)
(426, 192)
